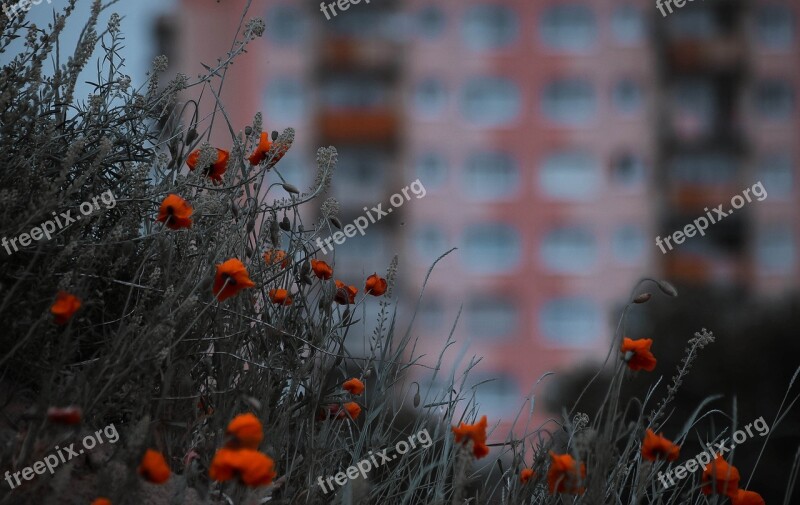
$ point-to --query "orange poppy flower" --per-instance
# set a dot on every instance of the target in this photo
(656, 447)
(641, 357)
(743, 497)
(321, 269)
(246, 431)
(720, 477)
(354, 386)
(253, 468)
(175, 213)
(565, 475)
(101, 501)
(64, 307)
(376, 286)
(217, 168)
(280, 297)
(345, 294)
(351, 409)
(275, 256)
(154, 467)
(65, 415)
(526, 474)
(230, 279)
(475, 432)
(262, 151)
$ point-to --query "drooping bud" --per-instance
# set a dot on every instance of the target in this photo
(642, 298)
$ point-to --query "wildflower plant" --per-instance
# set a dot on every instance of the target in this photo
(197, 317)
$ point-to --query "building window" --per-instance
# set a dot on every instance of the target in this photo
(775, 173)
(775, 99)
(430, 242)
(496, 392)
(490, 101)
(627, 169)
(569, 102)
(568, 27)
(775, 26)
(489, 27)
(570, 249)
(353, 93)
(431, 169)
(430, 22)
(775, 249)
(285, 25)
(285, 100)
(431, 313)
(570, 321)
(492, 248)
(699, 22)
(491, 317)
(490, 176)
(361, 171)
(627, 24)
(430, 98)
(627, 96)
(627, 244)
(570, 175)
(703, 168)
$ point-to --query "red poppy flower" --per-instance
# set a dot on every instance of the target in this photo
(345, 294)
(476, 433)
(65, 415)
(526, 474)
(253, 468)
(230, 279)
(376, 286)
(354, 386)
(743, 497)
(720, 477)
(351, 409)
(154, 467)
(640, 358)
(246, 431)
(280, 297)
(217, 168)
(565, 475)
(321, 269)
(101, 501)
(262, 151)
(276, 256)
(64, 307)
(656, 447)
(175, 213)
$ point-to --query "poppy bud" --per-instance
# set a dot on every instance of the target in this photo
(248, 130)
(305, 268)
(291, 189)
(191, 135)
(249, 250)
(251, 225)
(416, 399)
(285, 225)
(235, 210)
(274, 135)
(335, 222)
(368, 373)
(643, 298)
(346, 316)
(306, 279)
(667, 288)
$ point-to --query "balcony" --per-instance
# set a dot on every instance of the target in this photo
(345, 54)
(359, 126)
(724, 54)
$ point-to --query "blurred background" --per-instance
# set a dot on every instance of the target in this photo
(556, 140)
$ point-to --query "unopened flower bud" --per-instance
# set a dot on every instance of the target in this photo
(642, 298)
